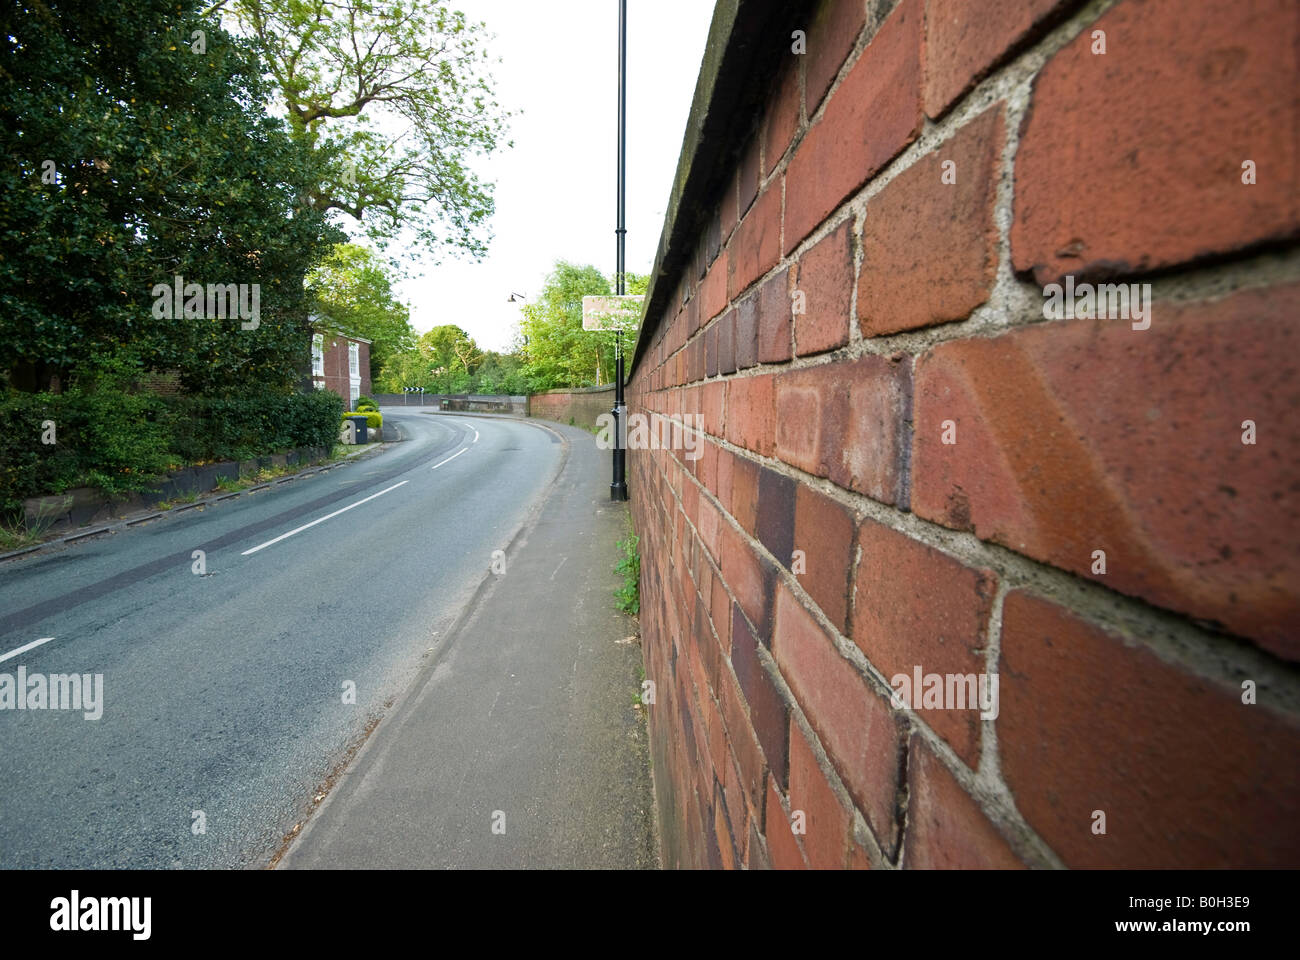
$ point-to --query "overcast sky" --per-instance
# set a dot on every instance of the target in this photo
(555, 190)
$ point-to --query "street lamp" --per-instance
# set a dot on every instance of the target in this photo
(516, 296)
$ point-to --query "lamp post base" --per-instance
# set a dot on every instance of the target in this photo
(618, 491)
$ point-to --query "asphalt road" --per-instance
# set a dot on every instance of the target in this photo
(225, 692)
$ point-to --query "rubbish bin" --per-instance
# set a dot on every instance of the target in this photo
(360, 433)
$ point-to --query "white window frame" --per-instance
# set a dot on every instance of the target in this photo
(318, 355)
(354, 360)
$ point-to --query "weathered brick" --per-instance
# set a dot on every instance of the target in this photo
(727, 343)
(831, 35)
(1185, 772)
(783, 848)
(827, 821)
(756, 246)
(750, 415)
(773, 305)
(964, 38)
(824, 532)
(916, 607)
(1086, 435)
(824, 276)
(1171, 115)
(713, 398)
(845, 421)
(740, 735)
(946, 829)
(750, 176)
(871, 117)
(768, 711)
(713, 290)
(929, 248)
(854, 724)
(750, 578)
(775, 519)
(782, 119)
(744, 494)
(747, 332)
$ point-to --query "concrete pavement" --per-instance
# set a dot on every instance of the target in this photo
(519, 744)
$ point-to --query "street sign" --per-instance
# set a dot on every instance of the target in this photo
(612, 313)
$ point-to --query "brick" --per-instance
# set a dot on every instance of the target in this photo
(854, 724)
(713, 398)
(740, 735)
(916, 607)
(871, 117)
(713, 290)
(749, 176)
(775, 520)
(725, 477)
(1171, 116)
(946, 829)
(711, 351)
(1080, 435)
(768, 711)
(750, 414)
(824, 531)
(744, 494)
(729, 206)
(964, 38)
(773, 305)
(747, 332)
(720, 611)
(783, 848)
(709, 523)
(750, 579)
(827, 822)
(1188, 775)
(727, 343)
(929, 248)
(831, 36)
(845, 421)
(782, 120)
(756, 246)
(825, 278)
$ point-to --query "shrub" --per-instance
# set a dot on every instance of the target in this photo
(374, 419)
(365, 404)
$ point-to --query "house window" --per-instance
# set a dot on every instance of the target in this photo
(318, 355)
(355, 393)
(354, 359)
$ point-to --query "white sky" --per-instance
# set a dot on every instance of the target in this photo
(556, 189)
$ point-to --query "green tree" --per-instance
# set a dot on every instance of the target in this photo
(127, 158)
(557, 351)
(354, 296)
(397, 99)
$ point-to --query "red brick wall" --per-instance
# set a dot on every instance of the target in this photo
(580, 406)
(1120, 692)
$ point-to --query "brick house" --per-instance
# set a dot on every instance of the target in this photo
(342, 364)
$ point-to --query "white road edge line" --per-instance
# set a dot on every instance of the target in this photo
(285, 536)
(475, 440)
(23, 649)
(449, 459)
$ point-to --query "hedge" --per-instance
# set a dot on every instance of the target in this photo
(121, 441)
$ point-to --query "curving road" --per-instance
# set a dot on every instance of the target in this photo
(224, 693)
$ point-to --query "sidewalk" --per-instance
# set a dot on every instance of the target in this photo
(524, 715)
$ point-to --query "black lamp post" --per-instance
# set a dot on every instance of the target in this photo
(618, 487)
